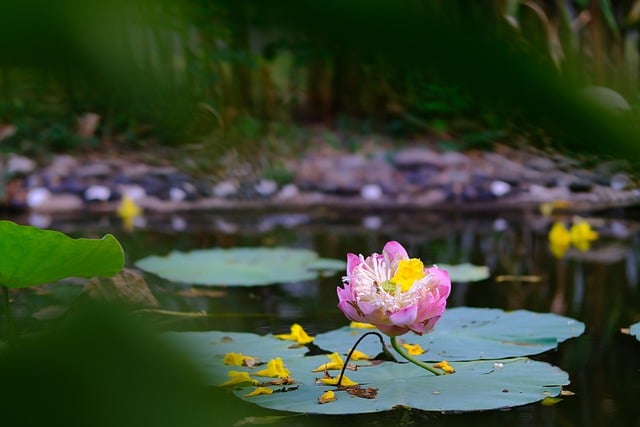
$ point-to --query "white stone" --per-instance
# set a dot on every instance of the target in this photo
(177, 194)
(266, 187)
(100, 193)
(37, 197)
(288, 191)
(500, 188)
(371, 192)
(225, 189)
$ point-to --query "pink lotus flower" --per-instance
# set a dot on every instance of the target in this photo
(393, 292)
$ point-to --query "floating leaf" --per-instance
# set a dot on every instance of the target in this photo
(475, 385)
(249, 266)
(635, 330)
(32, 256)
(466, 272)
(465, 333)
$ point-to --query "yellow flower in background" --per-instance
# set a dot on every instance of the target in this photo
(413, 349)
(335, 363)
(239, 359)
(258, 391)
(239, 379)
(275, 368)
(582, 235)
(128, 211)
(297, 334)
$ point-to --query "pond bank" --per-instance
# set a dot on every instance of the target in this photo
(376, 176)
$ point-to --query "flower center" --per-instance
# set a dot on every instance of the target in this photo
(409, 271)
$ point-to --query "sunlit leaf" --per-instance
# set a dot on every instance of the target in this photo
(32, 256)
(466, 272)
(475, 385)
(465, 333)
(250, 266)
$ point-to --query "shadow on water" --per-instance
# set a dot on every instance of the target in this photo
(599, 287)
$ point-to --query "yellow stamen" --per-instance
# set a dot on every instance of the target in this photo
(413, 349)
(258, 391)
(297, 334)
(409, 271)
(275, 368)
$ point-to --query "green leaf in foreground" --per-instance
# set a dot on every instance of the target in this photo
(635, 330)
(476, 384)
(32, 256)
(465, 333)
(249, 266)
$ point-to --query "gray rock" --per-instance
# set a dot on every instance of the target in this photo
(414, 157)
(20, 165)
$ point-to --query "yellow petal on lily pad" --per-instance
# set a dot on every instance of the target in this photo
(238, 359)
(362, 325)
(335, 362)
(258, 391)
(444, 365)
(358, 355)
(297, 334)
(239, 379)
(346, 382)
(413, 349)
(275, 368)
(327, 396)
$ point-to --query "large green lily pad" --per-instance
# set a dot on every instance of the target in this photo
(32, 256)
(476, 384)
(465, 333)
(248, 266)
(635, 330)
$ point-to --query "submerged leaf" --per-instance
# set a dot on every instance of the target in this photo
(249, 266)
(466, 272)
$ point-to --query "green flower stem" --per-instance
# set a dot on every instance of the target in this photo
(384, 350)
(10, 328)
(400, 350)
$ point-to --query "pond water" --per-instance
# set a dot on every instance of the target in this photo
(599, 287)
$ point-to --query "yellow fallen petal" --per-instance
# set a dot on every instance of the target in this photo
(238, 359)
(413, 349)
(275, 368)
(335, 362)
(358, 355)
(346, 382)
(238, 378)
(297, 334)
(362, 325)
(444, 365)
(258, 391)
(327, 396)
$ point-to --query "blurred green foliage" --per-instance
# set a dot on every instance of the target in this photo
(104, 367)
(222, 72)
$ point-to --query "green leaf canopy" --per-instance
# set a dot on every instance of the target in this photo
(476, 384)
(32, 256)
(248, 266)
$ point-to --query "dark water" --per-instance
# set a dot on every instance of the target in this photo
(599, 287)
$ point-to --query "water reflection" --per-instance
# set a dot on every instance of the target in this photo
(598, 286)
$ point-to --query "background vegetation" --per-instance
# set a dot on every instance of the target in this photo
(226, 73)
